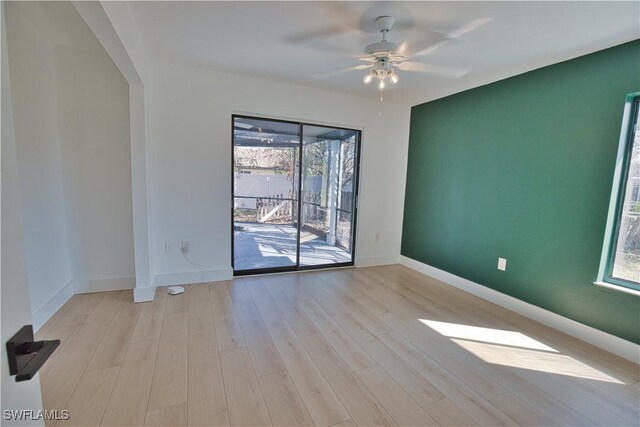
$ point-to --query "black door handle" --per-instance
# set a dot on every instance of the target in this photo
(26, 355)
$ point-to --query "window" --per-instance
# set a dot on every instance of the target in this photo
(620, 265)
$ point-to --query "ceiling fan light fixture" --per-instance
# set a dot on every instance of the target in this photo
(383, 71)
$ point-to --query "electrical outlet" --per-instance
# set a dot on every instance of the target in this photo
(377, 237)
(168, 247)
(184, 247)
(502, 264)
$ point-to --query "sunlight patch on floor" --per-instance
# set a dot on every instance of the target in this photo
(489, 335)
(541, 361)
(516, 350)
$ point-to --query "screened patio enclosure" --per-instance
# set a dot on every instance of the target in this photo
(294, 195)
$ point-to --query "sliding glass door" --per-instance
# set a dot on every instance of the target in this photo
(294, 195)
(266, 156)
(327, 210)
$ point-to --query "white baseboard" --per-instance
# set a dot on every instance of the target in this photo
(596, 337)
(371, 261)
(103, 285)
(144, 294)
(44, 313)
(188, 277)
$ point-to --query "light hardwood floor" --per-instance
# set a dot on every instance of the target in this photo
(370, 346)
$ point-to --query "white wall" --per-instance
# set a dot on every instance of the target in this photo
(93, 106)
(114, 26)
(35, 111)
(71, 115)
(15, 290)
(190, 162)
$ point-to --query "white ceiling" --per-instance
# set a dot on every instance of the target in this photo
(271, 39)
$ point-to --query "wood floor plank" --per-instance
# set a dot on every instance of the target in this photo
(207, 404)
(482, 384)
(471, 402)
(561, 412)
(169, 385)
(287, 283)
(613, 400)
(200, 314)
(128, 401)
(89, 399)
(44, 332)
(321, 402)
(177, 303)
(348, 350)
(228, 331)
(256, 287)
(114, 345)
(273, 283)
(404, 410)
(342, 281)
(238, 290)
(447, 413)
(411, 381)
(304, 328)
(84, 305)
(263, 352)
(373, 346)
(284, 403)
(572, 396)
(348, 423)
(171, 416)
(149, 323)
(524, 390)
(359, 402)
(242, 390)
(519, 411)
(500, 317)
(108, 305)
(68, 325)
(344, 303)
(622, 369)
(65, 371)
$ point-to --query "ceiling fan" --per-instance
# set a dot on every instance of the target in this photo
(385, 58)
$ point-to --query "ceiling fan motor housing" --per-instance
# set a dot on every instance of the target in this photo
(385, 23)
(381, 47)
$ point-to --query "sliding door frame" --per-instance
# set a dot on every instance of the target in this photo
(356, 193)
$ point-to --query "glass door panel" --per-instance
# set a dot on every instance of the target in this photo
(328, 195)
(265, 194)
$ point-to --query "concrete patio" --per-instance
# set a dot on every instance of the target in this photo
(274, 245)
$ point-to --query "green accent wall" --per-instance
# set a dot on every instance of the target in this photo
(522, 169)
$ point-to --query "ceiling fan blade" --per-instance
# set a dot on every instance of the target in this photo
(344, 22)
(367, 58)
(459, 32)
(319, 34)
(469, 27)
(434, 69)
(423, 46)
(333, 73)
(428, 49)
